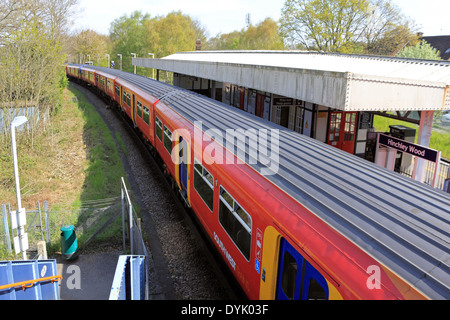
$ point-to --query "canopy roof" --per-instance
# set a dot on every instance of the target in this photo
(344, 82)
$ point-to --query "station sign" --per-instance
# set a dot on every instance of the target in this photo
(407, 147)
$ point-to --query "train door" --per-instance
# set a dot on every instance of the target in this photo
(183, 165)
(121, 99)
(260, 105)
(182, 168)
(133, 110)
(342, 130)
(242, 96)
(297, 278)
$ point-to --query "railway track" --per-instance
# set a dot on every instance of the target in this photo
(185, 264)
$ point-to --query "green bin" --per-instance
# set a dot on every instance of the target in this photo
(69, 244)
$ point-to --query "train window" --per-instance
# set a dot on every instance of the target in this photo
(204, 184)
(236, 222)
(139, 109)
(117, 89)
(315, 286)
(168, 140)
(297, 278)
(127, 98)
(289, 275)
(146, 115)
(316, 291)
(158, 129)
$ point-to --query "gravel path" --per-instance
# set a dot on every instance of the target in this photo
(178, 267)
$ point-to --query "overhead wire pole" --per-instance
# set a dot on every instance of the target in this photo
(153, 70)
(119, 55)
(134, 55)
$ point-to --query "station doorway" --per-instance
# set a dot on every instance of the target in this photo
(342, 128)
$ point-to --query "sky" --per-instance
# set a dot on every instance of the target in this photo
(226, 16)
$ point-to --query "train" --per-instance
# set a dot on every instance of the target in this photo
(292, 218)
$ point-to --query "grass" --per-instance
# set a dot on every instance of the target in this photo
(73, 163)
(440, 140)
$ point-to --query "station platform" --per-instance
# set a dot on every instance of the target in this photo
(88, 277)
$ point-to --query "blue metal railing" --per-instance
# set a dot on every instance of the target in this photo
(29, 280)
(130, 279)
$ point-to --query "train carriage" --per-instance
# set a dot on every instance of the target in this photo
(143, 113)
(318, 224)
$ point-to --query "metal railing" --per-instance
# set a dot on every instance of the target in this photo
(131, 223)
(131, 277)
(29, 283)
(35, 228)
(442, 174)
(29, 280)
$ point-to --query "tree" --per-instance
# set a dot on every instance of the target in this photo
(127, 34)
(348, 26)
(325, 25)
(89, 42)
(263, 36)
(55, 15)
(30, 72)
(387, 30)
(162, 36)
(31, 55)
(10, 17)
(422, 50)
(173, 33)
(227, 41)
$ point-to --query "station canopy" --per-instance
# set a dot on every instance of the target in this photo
(339, 81)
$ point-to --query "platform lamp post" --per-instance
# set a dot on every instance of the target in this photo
(119, 55)
(109, 58)
(153, 70)
(21, 243)
(134, 55)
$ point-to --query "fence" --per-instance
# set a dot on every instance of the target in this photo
(131, 276)
(131, 225)
(29, 280)
(33, 114)
(442, 174)
(44, 223)
(35, 229)
(130, 279)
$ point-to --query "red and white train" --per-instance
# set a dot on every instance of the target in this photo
(292, 217)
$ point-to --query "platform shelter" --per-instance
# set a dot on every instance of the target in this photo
(330, 97)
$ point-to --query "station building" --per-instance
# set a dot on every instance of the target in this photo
(330, 97)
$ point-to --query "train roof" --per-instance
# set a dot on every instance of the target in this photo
(400, 222)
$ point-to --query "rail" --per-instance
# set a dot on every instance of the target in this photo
(30, 283)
